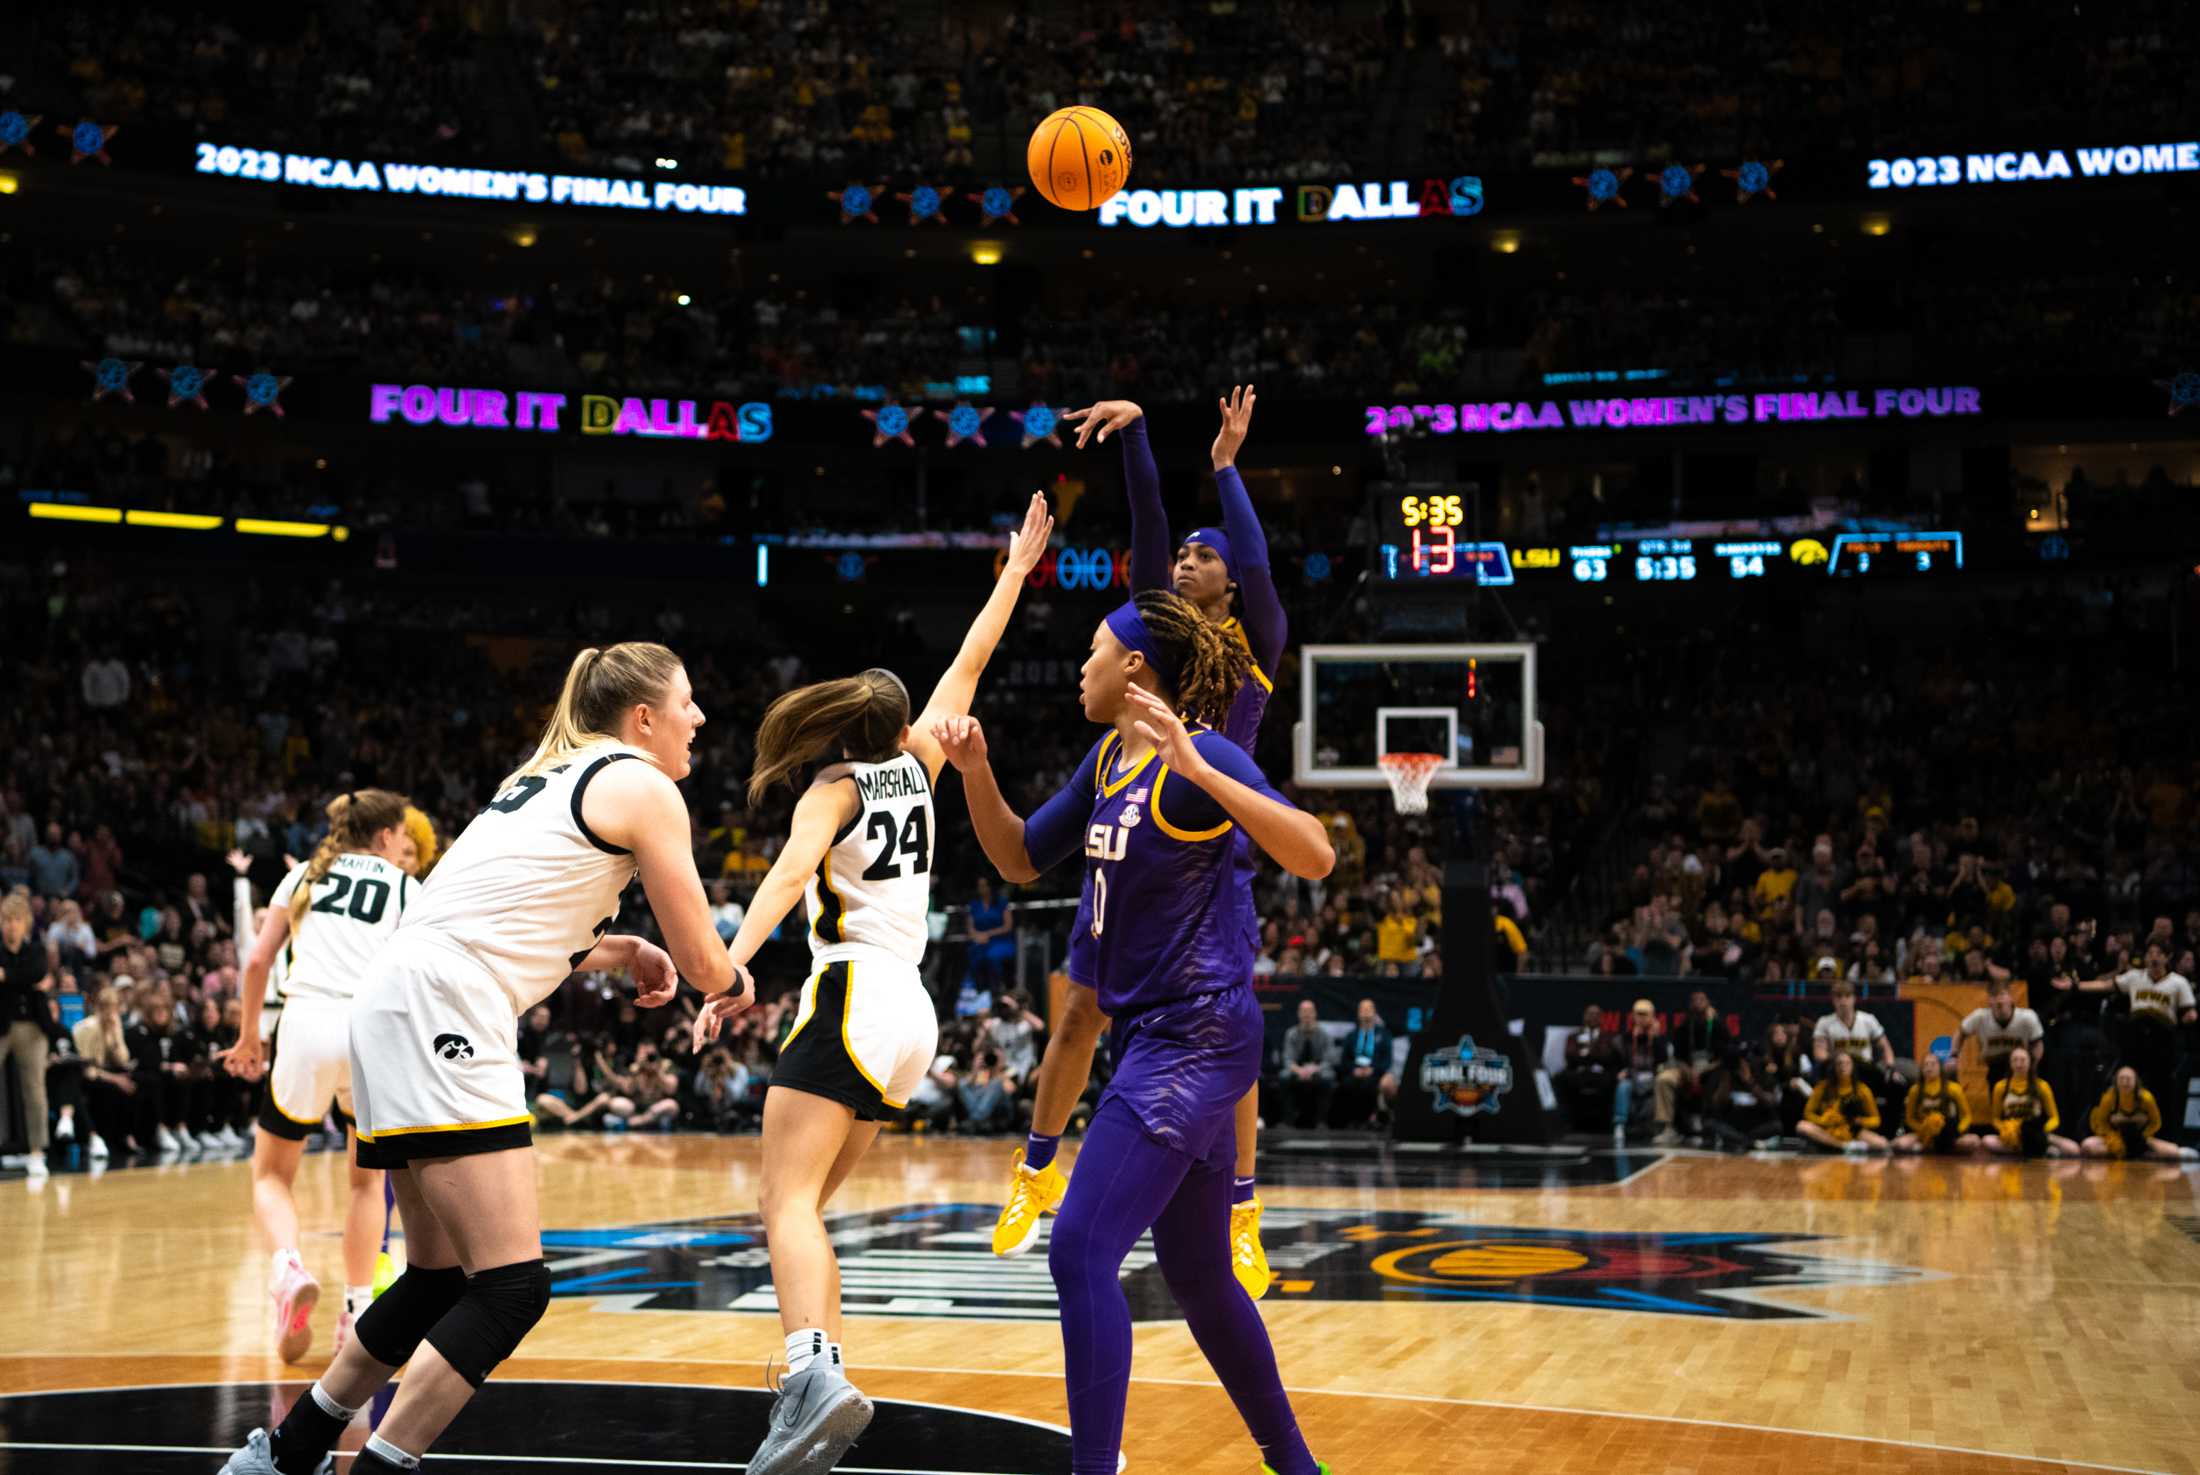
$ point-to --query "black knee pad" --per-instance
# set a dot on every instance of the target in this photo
(500, 1307)
(390, 1330)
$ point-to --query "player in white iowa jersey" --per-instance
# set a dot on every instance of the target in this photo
(860, 852)
(524, 898)
(324, 924)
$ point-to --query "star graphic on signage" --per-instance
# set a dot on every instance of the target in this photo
(965, 422)
(924, 204)
(88, 140)
(998, 202)
(857, 202)
(889, 422)
(1040, 424)
(1603, 186)
(15, 131)
(112, 376)
(1677, 182)
(263, 391)
(2184, 390)
(1754, 178)
(186, 385)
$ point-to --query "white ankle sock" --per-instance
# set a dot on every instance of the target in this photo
(357, 1299)
(281, 1262)
(805, 1347)
(832, 1355)
(329, 1405)
(392, 1453)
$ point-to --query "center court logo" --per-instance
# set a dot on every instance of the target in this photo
(1466, 1078)
(454, 1047)
(937, 1261)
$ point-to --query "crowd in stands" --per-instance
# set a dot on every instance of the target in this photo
(1211, 93)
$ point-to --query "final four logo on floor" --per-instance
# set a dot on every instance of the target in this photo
(1466, 1078)
(936, 1260)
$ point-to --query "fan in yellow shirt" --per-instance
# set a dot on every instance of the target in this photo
(2127, 1123)
(1842, 1115)
(1936, 1113)
(2024, 1114)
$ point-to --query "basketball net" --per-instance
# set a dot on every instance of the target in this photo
(1409, 775)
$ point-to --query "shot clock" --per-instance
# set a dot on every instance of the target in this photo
(1424, 536)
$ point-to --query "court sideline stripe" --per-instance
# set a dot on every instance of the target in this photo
(440, 1456)
(888, 1367)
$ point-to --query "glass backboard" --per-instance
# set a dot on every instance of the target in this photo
(1473, 705)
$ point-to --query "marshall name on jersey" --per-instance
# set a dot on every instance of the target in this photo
(873, 889)
(355, 908)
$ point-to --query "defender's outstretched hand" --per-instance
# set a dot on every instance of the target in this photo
(963, 740)
(1106, 417)
(1030, 540)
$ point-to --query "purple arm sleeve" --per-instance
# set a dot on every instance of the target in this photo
(1150, 551)
(1263, 618)
(1056, 829)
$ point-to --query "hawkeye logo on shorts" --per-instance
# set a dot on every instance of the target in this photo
(937, 1260)
(1466, 1078)
(454, 1047)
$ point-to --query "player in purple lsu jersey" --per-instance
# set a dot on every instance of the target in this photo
(1158, 809)
(1210, 565)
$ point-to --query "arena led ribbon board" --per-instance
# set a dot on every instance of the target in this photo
(2031, 166)
(510, 186)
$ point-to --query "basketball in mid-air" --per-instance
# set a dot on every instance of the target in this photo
(1078, 157)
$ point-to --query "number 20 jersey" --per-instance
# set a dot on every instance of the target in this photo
(873, 889)
(527, 888)
(356, 907)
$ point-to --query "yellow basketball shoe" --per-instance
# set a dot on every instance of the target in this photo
(1248, 1258)
(1032, 1193)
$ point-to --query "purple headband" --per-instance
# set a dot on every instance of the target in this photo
(1130, 628)
(1216, 539)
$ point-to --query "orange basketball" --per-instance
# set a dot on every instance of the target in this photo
(1078, 157)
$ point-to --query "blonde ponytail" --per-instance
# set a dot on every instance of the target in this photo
(600, 686)
(354, 820)
(862, 714)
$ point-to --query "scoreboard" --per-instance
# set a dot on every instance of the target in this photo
(1424, 537)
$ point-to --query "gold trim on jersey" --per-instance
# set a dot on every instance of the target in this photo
(1237, 628)
(1109, 789)
(847, 1010)
(838, 912)
(1191, 836)
(510, 1121)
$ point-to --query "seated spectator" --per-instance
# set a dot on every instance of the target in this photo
(572, 1096)
(2001, 1027)
(725, 912)
(1936, 1115)
(1508, 948)
(932, 1103)
(2128, 1124)
(163, 1055)
(646, 1096)
(721, 1091)
(1704, 1046)
(1646, 1067)
(1843, 1114)
(984, 1092)
(110, 1084)
(1787, 1061)
(2025, 1118)
(1306, 1070)
(1586, 1081)
(1366, 1086)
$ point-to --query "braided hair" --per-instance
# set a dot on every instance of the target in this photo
(1211, 664)
(354, 820)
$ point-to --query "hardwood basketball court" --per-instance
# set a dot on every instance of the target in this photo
(1573, 1310)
